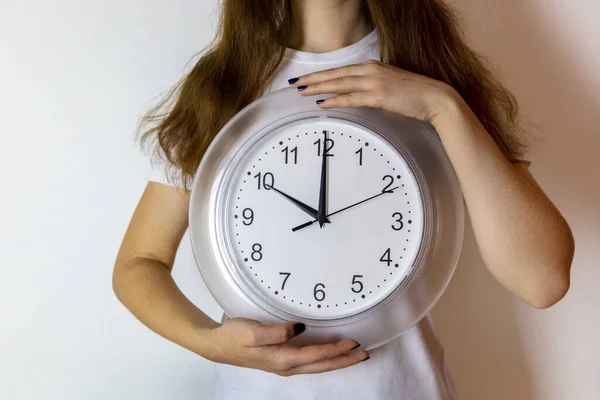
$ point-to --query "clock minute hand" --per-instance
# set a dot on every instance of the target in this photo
(307, 209)
(297, 228)
(321, 217)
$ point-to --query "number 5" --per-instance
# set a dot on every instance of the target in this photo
(354, 282)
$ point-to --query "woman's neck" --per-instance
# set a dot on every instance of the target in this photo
(325, 25)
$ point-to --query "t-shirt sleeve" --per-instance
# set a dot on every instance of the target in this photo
(157, 172)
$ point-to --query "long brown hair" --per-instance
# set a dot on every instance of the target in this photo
(234, 70)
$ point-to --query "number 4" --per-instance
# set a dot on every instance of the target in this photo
(386, 257)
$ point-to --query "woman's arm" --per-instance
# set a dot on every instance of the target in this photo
(525, 242)
(142, 281)
(523, 239)
(142, 275)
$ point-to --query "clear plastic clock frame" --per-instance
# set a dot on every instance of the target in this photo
(345, 278)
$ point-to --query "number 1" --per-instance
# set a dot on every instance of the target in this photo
(360, 155)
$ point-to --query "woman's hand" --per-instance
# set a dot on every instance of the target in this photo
(379, 85)
(248, 343)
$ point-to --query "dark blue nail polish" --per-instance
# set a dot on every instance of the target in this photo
(301, 88)
(292, 81)
(299, 328)
(355, 347)
(366, 358)
(320, 101)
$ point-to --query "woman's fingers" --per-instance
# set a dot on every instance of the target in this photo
(355, 99)
(341, 85)
(333, 73)
(339, 362)
(294, 356)
(264, 335)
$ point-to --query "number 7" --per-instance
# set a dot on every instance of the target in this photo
(287, 274)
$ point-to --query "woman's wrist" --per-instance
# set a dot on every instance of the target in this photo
(449, 110)
(444, 104)
(202, 339)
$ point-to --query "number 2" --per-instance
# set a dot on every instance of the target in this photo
(385, 189)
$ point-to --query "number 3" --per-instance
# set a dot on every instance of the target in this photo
(399, 220)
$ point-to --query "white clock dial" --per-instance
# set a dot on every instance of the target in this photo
(375, 218)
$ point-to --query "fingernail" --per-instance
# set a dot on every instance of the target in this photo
(299, 328)
(355, 347)
(301, 88)
(292, 81)
(366, 358)
(320, 101)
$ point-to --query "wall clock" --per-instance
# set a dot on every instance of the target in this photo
(349, 220)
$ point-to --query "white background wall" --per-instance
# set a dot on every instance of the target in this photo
(74, 78)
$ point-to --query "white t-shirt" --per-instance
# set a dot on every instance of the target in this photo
(409, 368)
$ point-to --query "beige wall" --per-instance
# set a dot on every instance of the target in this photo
(548, 52)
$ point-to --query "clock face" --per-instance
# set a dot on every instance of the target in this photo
(324, 218)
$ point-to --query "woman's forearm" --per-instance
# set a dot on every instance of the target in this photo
(146, 287)
(523, 239)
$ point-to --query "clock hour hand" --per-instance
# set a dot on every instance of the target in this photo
(306, 224)
(307, 209)
(321, 214)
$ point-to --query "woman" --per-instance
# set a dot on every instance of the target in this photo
(404, 56)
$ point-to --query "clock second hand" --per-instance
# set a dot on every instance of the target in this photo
(309, 223)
